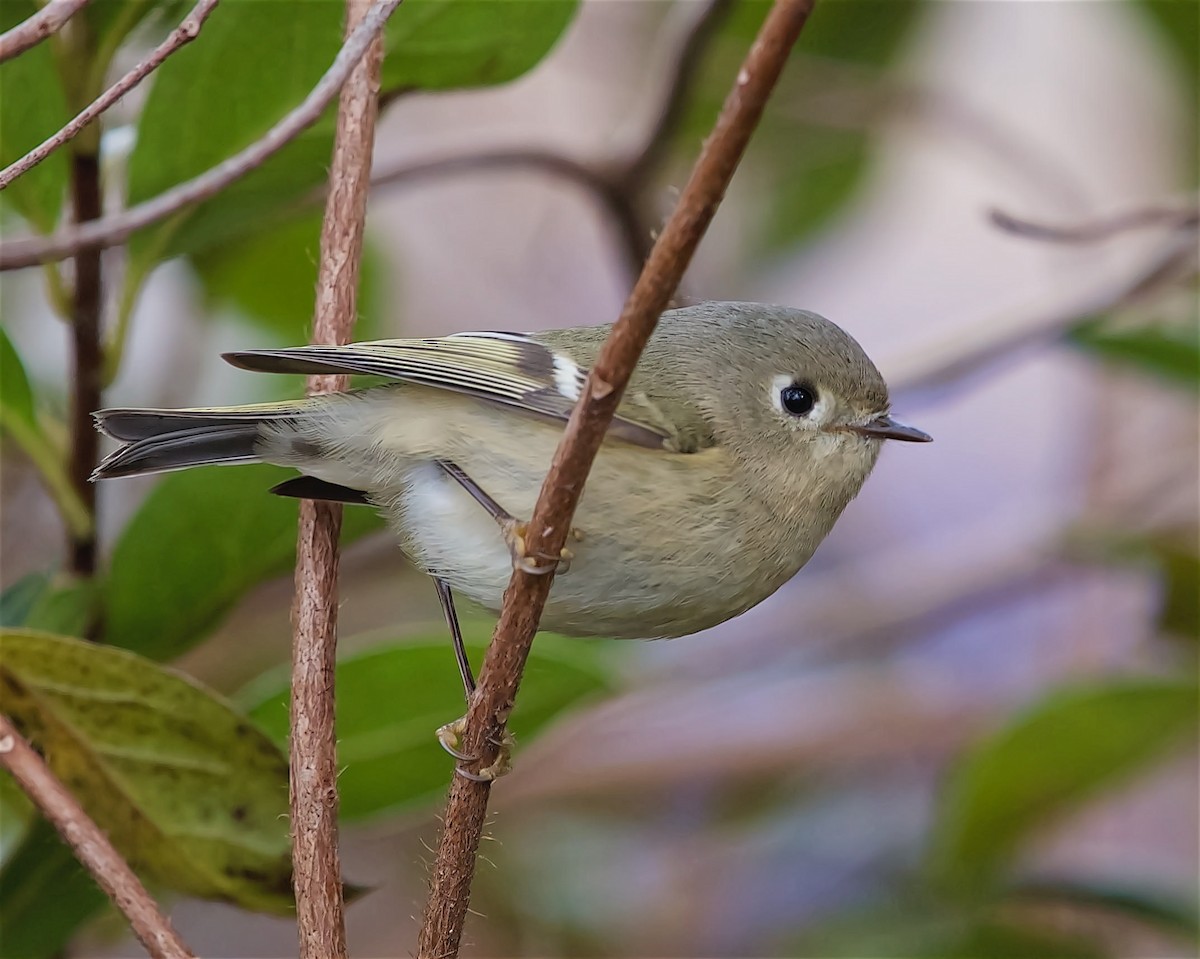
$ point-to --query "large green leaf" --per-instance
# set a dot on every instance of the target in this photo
(1058, 754)
(45, 896)
(34, 107)
(200, 541)
(248, 67)
(445, 44)
(1168, 352)
(391, 699)
(190, 791)
(269, 277)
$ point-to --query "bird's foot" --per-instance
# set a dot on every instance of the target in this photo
(536, 564)
(450, 736)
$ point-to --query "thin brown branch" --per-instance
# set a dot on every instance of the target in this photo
(317, 874)
(29, 251)
(86, 360)
(90, 845)
(1179, 216)
(186, 32)
(45, 23)
(525, 597)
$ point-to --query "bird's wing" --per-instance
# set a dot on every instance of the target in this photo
(510, 369)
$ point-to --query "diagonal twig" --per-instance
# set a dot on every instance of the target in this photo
(1181, 216)
(90, 845)
(186, 32)
(45, 23)
(29, 251)
(525, 597)
(316, 868)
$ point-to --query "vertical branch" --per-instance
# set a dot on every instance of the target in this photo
(504, 663)
(86, 356)
(317, 875)
(90, 845)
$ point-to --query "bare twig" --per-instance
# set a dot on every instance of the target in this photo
(314, 799)
(525, 597)
(1170, 216)
(185, 33)
(29, 251)
(46, 22)
(90, 845)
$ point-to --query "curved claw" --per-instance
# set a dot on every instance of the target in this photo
(450, 735)
(514, 536)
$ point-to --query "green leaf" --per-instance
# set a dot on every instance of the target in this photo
(447, 44)
(35, 106)
(16, 396)
(270, 277)
(1178, 26)
(1167, 352)
(200, 541)
(1173, 913)
(19, 598)
(217, 95)
(1060, 753)
(191, 793)
(391, 699)
(45, 896)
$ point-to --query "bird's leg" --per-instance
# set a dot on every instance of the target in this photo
(446, 598)
(514, 530)
(450, 735)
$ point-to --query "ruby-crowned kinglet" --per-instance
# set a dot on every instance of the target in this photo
(745, 431)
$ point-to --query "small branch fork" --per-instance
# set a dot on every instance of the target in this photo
(90, 845)
(186, 32)
(45, 23)
(500, 677)
(317, 875)
(30, 251)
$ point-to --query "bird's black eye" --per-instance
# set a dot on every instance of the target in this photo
(798, 399)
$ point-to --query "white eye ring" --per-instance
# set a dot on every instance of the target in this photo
(785, 382)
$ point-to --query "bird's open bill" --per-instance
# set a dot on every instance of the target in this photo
(885, 428)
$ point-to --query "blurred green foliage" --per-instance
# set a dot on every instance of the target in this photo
(390, 756)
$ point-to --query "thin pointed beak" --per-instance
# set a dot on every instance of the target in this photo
(883, 427)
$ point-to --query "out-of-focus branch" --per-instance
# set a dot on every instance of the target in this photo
(939, 367)
(599, 181)
(90, 845)
(500, 677)
(87, 303)
(618, 182)
(45, 23)
(317, 874)
(186, 32)
(109, 231)
(1171, 216)
(699, 24)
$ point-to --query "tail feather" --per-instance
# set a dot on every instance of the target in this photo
(160, 440)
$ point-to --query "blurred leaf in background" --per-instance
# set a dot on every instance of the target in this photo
(393, 697)
(1167, 352)
(1061, 752)
(198, 543)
